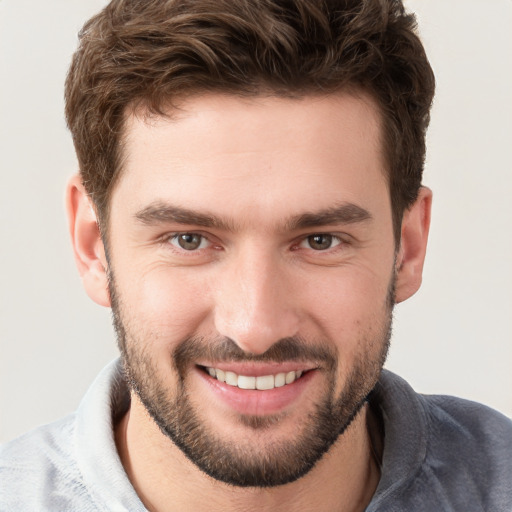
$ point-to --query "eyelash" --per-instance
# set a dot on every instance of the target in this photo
(336, 242)
(334, 239)
(175, 237)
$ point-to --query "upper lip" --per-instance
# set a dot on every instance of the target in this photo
(259, 369)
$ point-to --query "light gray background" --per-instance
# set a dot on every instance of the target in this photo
(454, 336)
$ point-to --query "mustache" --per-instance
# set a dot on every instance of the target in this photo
(225, 349)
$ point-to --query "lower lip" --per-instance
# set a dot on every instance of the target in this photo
(255, 402)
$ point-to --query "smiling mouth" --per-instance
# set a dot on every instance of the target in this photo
(262, 383)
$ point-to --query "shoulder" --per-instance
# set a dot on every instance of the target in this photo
(43, 444)
(470, 435)
(38, 471)
(444, 420)
(469, 453)
(469, 422)
(442, 452)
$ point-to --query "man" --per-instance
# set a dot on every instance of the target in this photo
(250, 205)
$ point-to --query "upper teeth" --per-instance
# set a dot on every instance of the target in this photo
(262, 382)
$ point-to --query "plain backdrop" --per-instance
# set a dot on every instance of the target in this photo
(453, 337)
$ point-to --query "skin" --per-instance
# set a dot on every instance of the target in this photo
(256, 164)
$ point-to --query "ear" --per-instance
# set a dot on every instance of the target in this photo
(87, 244)
(413, 246)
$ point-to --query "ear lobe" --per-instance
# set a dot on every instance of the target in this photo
(87, 244)
(413, 246)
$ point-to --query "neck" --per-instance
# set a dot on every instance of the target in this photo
(344, 479)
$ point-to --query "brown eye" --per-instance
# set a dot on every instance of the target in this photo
(320, 242)
(188, 241)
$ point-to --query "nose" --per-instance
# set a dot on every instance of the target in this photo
(255, 301)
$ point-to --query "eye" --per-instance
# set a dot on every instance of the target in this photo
(189, 241)
(320, 242)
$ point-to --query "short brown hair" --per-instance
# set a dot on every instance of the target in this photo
(148, 53)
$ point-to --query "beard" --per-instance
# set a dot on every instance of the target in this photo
(244, 462)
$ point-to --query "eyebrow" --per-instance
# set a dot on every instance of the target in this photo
(163, 213)
(346, 213)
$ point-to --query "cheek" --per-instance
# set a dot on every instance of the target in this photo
(354, 315)
(350, 299)
(169, 305)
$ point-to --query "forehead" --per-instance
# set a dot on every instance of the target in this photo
(261, 153)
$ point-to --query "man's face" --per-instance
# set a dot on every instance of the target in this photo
(251, 245)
